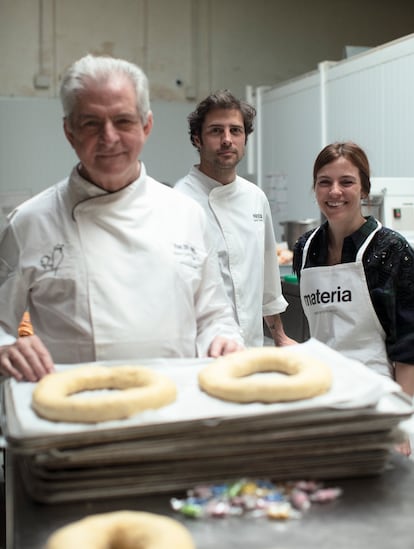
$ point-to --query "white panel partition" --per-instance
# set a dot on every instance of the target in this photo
(290, 138)
(34, 153)
(368, 98)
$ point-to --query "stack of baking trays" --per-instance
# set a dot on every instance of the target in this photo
(347, 432)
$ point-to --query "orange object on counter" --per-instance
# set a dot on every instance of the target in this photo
(25, 326)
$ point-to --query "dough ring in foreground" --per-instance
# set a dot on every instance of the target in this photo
(140, 388)
(225, 378)
(122, 530)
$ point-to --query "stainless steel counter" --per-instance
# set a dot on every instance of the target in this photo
(372, 512)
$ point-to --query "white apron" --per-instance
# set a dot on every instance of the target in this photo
(339, 310)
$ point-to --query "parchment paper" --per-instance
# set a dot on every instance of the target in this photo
(354, 386)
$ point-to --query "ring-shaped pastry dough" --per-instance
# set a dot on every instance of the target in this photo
(122, 530)
(140, 388)
(228, 378)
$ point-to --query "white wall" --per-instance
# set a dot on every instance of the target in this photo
(188, 48)
(202, 44)
(368, 99)
(290, 126)
(34, 153)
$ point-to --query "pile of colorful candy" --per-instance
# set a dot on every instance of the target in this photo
(256, 498)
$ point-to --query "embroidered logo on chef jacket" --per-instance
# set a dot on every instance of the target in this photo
(258, 218)
(323, 297)
(51, 262)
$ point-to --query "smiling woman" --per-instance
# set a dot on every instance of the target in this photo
(356, 277)
(340, 183)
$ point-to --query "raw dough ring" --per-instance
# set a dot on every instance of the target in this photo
(122, 530)
(225, 378)
(140, 389)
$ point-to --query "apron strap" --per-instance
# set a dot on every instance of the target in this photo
(306, 247)
(361, 250)
(364, 246)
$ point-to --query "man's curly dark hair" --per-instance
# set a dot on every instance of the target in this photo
(221, 99)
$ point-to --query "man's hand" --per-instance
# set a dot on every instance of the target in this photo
(223, 346)
(274, 323)
(285, 340)
(26, 360)
(404, 448)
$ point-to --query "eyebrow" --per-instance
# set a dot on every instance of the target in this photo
(221, 125)
(325, 176)
(117, 115)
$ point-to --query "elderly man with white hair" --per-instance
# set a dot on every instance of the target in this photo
(109, 263)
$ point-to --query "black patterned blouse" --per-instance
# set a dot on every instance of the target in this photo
(389, 268)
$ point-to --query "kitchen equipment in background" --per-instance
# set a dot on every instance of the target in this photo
(294, 320)
(294, 229)
(373, 205)
(391, 201)
(295, 323)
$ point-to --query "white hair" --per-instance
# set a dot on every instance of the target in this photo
(96, 68)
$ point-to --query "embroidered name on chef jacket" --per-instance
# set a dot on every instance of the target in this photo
(257, 217)
(323, 297)
(187, 254)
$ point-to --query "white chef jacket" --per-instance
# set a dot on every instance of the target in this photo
(242, 229)
(128, 274)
